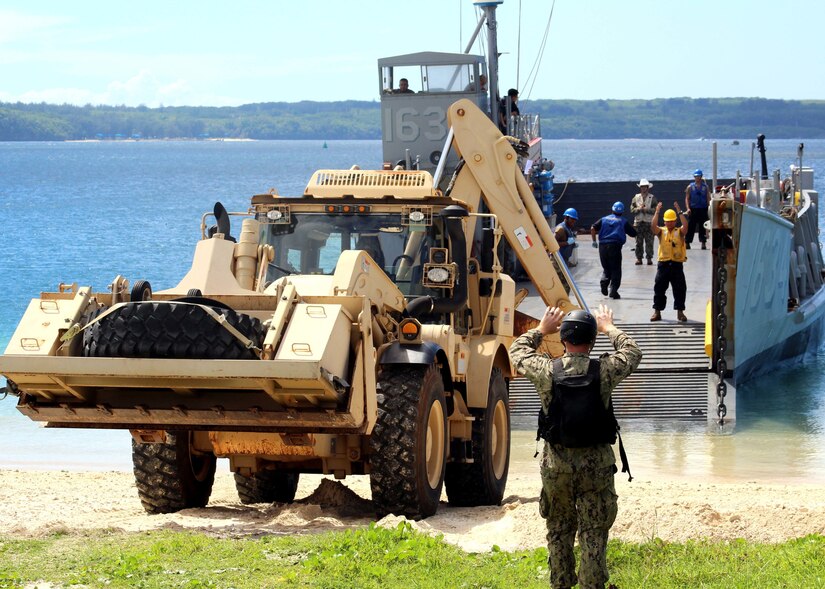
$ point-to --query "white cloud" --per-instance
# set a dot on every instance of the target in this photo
(152, 90)
(143, 88)
(15, 25)
(132, 91)
(53, 96)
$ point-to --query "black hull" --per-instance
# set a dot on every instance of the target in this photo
(592, 200)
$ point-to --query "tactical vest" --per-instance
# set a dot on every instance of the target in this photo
(577, 417)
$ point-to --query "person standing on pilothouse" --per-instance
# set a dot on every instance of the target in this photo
(510, 100)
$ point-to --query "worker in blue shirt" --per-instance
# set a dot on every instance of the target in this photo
(696, 207)
(612, 231)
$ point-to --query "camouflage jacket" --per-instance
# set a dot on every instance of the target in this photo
(538, 368)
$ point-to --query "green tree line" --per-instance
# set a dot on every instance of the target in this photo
(665, 118)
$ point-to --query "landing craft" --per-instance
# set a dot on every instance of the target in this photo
(752, 325)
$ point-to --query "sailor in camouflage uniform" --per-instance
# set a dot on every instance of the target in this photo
(578, 491)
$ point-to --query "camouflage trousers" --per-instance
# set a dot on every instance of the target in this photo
(644, 240)
(587, 501)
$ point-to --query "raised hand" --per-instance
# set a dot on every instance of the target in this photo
(604, 318)
(551, 320)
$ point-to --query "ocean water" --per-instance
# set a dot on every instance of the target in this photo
(87, 212)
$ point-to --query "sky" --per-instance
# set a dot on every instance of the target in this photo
(213, 53)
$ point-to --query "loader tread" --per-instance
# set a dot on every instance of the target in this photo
(267, 486)
(151, 329)
(479, 483)
(167, 477)
(396, 463)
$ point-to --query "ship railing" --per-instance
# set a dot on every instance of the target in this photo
(526, 127)
(806, 257)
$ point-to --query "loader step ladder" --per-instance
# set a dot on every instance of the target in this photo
(670, 383)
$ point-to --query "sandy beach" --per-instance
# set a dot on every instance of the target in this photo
(37, 503)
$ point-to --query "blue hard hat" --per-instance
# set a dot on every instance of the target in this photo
(698, 173)
(618, 207)
(572, 213)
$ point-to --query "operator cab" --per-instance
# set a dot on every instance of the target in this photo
(311, 243)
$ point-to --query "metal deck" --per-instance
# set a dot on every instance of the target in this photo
(672, 380)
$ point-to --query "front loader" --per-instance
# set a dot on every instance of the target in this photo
(361, 328)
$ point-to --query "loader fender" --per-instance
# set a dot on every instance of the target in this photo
(423, 353)
(486, 352)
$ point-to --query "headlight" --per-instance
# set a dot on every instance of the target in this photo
(274, 215)
(438, 275)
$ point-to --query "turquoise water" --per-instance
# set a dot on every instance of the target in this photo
(86, 212)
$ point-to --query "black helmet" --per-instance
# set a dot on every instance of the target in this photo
(578, 327)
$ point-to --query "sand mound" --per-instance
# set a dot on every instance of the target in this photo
(334, 495)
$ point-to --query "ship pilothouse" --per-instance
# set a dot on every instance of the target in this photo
(416, 91)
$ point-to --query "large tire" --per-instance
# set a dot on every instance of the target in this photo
(483, 481)
(141, 291)
(408, 444)
(152, 329)
(267, 486)
(170, 476)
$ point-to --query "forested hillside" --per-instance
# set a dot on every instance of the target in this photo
(575, 119)
(681, 118)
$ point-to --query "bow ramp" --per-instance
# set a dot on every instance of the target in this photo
(672, 380)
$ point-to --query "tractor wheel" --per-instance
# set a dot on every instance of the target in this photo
(141, 291)
(152, 329)
(409, 443)
(171, 476)
(482, 482)
(267, 486)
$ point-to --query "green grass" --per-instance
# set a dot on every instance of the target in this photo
(382, 558)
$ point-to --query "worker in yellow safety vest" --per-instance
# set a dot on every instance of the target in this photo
(672, 256)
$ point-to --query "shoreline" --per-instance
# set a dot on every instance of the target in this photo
(38, 503)
(158, 140)
(678, 454)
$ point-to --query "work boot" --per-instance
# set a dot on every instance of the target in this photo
(657, 315)
(615, 295)
(704, 246)
(687, 246)
(638, 261)
(604, 288)
(680, 315)
(649, 262)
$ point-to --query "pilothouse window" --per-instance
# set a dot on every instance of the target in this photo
(447, 78)
(430, 78)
